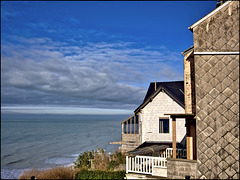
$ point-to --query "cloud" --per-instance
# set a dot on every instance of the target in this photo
(103, 75)
(8, 12)
(62, 110)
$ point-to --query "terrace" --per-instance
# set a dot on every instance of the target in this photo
(164, 158)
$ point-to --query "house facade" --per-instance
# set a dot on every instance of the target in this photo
(150, 124)
(216, 60)
(211, 78)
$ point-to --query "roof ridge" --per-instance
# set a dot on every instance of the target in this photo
(174, 89)
(167, 81)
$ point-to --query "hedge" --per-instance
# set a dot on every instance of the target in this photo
(97, 174)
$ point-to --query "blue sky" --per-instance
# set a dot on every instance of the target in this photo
(91, 56)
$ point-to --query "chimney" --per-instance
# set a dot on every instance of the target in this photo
(189, 81)
(155, 85)
(220, 2)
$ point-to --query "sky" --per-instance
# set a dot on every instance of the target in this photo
(91, 57)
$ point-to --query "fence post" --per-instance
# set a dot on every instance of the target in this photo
(126, 164)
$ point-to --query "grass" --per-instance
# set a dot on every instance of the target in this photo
(54, 173)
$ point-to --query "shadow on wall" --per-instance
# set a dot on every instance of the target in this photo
(183, 142)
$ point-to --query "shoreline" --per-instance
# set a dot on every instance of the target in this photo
(7, 173)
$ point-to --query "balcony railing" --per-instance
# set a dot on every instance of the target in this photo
(146, 164)
(181, 153)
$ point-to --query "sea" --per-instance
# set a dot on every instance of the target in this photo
(44, 141)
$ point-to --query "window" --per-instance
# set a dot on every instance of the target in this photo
(163, 125)
(125, 127)
(132, 125)
(129, 126)
(137, 124)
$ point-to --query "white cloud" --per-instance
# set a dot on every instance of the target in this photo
(97, 74)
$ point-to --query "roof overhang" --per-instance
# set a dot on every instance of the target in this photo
(182, 116)
(154, 95)
(209, 15)
(127, 119)
(188, 50)
(149, 149)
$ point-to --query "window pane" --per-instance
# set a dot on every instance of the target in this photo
(133, 125)
(160, 126)
(166, 126)
(163, 125)
(137, 124)
(129, 126)
(125, 127)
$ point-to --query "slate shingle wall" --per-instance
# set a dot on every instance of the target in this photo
(220, 32)
(217, 94)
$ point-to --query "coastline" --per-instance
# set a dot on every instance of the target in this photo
(48, 141)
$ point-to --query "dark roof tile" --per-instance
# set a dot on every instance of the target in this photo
(173, 88)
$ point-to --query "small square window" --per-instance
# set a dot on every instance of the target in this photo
(163, 125)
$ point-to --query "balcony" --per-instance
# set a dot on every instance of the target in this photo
(149, 165)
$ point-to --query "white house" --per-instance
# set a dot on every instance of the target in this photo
(150, 125)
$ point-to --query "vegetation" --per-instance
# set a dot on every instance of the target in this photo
(96, 164)
(100, 160)
(101, 165)
(112, 165)
(119, 157)
(97, 174)
(55, 173)
(84, 160)
(97, 160)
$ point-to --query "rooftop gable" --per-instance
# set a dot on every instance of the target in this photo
(209, 15)
(174, 89)
(188, 50)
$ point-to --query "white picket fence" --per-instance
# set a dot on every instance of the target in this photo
(145, 164)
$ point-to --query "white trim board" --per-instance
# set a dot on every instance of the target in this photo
(216, 53)
(210, 14)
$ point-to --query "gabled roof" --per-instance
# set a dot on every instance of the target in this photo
(188, 50)
(175, 89)
(209, 15)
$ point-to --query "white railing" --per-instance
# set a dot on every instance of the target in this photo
(181, 153)
(144, 164)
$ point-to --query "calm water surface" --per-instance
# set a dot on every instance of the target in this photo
(44, 141)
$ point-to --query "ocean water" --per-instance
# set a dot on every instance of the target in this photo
(45, 141)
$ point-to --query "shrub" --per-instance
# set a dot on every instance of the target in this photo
(54, 173)
(98, 158)
(119, 157)
(84, 160)
(111, 165)
(97, 174)
(101, 160)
